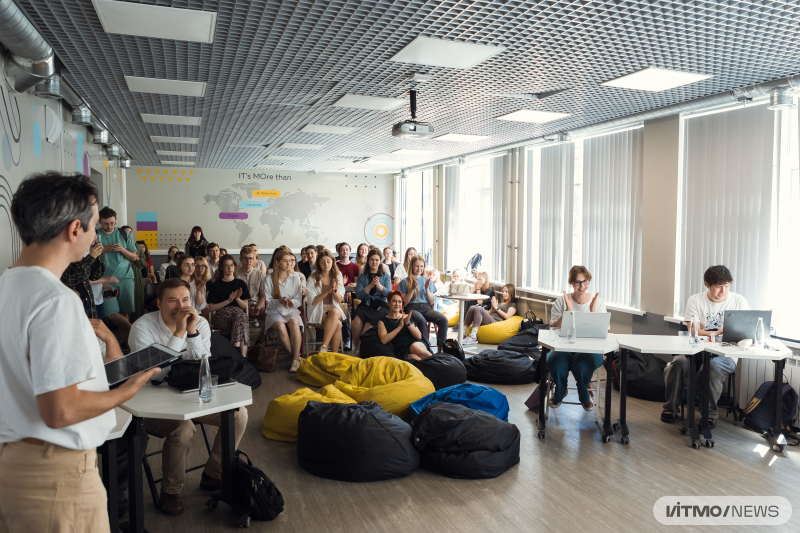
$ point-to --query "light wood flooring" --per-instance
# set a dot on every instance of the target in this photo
(568, 482)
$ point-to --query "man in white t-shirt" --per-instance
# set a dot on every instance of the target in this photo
(178, 327)
(56, 406)
(707, 309)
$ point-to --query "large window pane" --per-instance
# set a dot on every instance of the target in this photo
(416, 215)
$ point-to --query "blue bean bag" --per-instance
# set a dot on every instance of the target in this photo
(478, 397)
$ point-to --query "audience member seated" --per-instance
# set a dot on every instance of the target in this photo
(582, 365)
(418, 292)
(213, 252)
(120, 252)
(148, 273)
(227, 298)
(402, 270)
(403, 331)
(223, 251)
(436, 279)
(388, 260)
(372, 287)
(80, 274)
(186, 271)
(284, 295)
(361, 254)
(162, 271)
(707, 310)
(201, 278)
(178, 326)
(254, 278)
(311, 260)
(325, 295)
(172, 270)
(138, 283)
(259, 264)
(349, 269)
(500, 310)
(99, 286)
(197, 243)
(482, 286)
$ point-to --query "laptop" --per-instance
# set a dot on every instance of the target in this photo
(587, 325)
(740, 325)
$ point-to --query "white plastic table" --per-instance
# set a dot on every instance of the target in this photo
(108, 453)
(605, 346)
(461, 300)
(164, 402)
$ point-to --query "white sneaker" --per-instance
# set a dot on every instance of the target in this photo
(323, 348)
(472, 339)
(357, 352)
(295, 366)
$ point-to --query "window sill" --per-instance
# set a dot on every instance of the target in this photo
(609, 306)
(674, 319)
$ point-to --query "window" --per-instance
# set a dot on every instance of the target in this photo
(416, 214)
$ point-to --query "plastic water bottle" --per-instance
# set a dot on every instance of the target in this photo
(205, 380)
(694, 332)
(758, 337)
(571, 329)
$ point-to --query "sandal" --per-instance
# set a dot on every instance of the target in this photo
(668, 417)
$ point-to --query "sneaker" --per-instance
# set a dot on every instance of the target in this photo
(357, 352)
(295, 366)
(471, 340)
(347, 346)
(210, 483)
(324, 348)
(588, 407)
(171, 504)
(557, 405)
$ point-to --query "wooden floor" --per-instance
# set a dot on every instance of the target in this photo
(568, 482)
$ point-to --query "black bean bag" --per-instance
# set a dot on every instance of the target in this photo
(371, 346)
(645, 374)
(526, 342)
(354, 442)
(459, 442)
(500, 366)
(242, 371)
(443, 370)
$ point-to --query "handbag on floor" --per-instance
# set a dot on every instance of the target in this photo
(534, 399)
(530, 321)
(263, 358)
(252, 488)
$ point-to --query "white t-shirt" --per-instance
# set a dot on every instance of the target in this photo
(711, 315)
(46, 344)
(400, 272)
(559, 306)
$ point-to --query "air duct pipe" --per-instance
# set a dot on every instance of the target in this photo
(30, 59)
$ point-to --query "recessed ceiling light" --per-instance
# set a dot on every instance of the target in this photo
(535, 117)
(170, 119)
(181, 163)
(170, 152)
(283, 157)
(156, 21)
(368, 102)
(460, 137)
(408, 151)
(440, 53)
(161, 86)
(656, 79)
(298, 146)
(175, 140)
(319, 128)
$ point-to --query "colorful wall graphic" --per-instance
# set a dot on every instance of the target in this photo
(379, 230)
(179, 176)
(147, 228)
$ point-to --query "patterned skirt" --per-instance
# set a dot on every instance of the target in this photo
(232, 323)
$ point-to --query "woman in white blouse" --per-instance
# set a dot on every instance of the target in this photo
(185, 268)
(401, 272)
(325, 293)
(284, 294)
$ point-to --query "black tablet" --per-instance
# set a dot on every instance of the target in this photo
(119, 370)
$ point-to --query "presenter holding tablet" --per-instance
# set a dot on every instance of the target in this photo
(56, 406)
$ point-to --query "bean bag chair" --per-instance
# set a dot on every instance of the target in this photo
(459, 442)
(391, 383)
(452, 320)
(280, 419)
(526, 342)
(324, 368)
(499, 366)
(356, 443)
(472, 395)
(645, 376)
(371, 346)
(443, 370)
(497, 332)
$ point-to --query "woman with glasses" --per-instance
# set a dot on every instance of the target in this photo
(582, 365)
(202, 275)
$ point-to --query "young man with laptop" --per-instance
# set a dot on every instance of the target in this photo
(582, 365)
(708, 310)
(178, 326)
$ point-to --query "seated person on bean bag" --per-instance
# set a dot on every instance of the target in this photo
(442, 369)
(280, 419)
(500, 310)
(403, 331)
(356, 443)
(472, 395)
(390, 383)
(324, 368)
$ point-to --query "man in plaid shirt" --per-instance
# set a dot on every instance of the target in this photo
(78, 275)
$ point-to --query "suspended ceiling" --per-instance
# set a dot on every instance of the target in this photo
(275, 67)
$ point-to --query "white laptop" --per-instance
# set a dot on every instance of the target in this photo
(587, 325)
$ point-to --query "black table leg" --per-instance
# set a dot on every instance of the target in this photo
(689, 427)
(228, 437)
(108, 452)
(776, 431)
(622, 424)
(540, 422)
(705, 393)
(134, 435)
(608, 429)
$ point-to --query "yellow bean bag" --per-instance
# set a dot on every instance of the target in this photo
(498, 332)
(280, 420)
(452, 319)
(389, 382)
(324, 368)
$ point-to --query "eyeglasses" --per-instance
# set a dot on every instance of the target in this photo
(581, 282)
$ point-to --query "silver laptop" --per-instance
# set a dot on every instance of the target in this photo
(587, 325)
(740, 325)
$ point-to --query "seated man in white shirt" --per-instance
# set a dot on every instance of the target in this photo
(254, 278)
(178, 326)
(708, 310)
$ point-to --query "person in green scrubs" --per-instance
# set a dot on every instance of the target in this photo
(119, 252)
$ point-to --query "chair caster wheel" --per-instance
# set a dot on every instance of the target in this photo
(615, 426)
(695, 444)
(541, 433)
(683, 431)
(777, 448)
(244, 521)
(212, 503)
(625, 439)
(709, 443)
(606, 438)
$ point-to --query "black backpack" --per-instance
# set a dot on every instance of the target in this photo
(530, 321)
(451, 347)
(760, 412)
(252, 488)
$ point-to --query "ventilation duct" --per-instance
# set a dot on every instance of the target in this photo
(780, 99)
(82, 115)
(124, 163)
(100, 136)
(49, 88)
(30, 59)
(114, 150)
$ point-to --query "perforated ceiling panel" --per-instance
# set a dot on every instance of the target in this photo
(275, 67)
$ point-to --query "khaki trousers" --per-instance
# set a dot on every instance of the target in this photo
(50, 489)
(179, 435)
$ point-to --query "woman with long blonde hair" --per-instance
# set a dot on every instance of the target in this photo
(361, 254)
(325, 290)
(402, 270)
(500, 310)
(418, 292)
(284, 294)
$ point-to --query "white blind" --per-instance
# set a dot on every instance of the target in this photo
(499, 167)
(612, 215)
(726, 201)
(451, 189)
(556, 189)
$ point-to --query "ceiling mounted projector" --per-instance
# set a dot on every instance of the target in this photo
(412, 129)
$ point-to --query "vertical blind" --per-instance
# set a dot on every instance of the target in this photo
(612, 215)
(452, 195)
(556, 188)
(726, 201)
(499, 179)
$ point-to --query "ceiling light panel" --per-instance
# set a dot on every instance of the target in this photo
(155, 21)
(460, 137)
(368, 102)
(179, 163)
(440, 53)
(532, 116)
(409, 151)
(283, 158)
(656, 79)
(298, 146)
(269, 166)
(161, 86)
(171, 152)
(334, 130)
(171, 119)
(174, 140)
